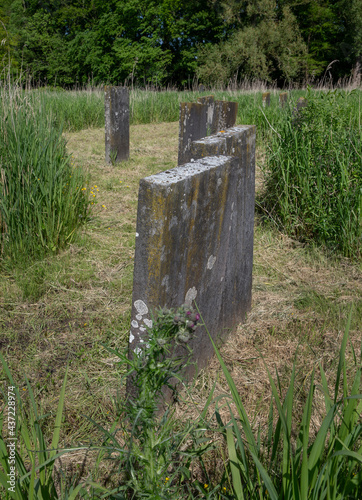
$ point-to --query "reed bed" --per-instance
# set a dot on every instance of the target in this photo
(43, 196)
(314, 173)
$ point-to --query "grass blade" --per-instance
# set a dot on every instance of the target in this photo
(234, 464)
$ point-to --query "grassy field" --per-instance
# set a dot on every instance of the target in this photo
(65, 307)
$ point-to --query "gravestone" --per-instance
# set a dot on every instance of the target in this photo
(266, 99)
(224, 115)
(116, 102)
(209, 102)
(198, 120)
(194, 240)
(283, 99)
(301, 103)
(192, 126)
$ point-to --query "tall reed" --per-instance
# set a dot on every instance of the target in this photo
(42, 194)
(314, 172)
(77, 110)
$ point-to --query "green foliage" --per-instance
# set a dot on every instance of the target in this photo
(332, 32)
(8, 40)
(34, 456)
(111, 41)
(171, 42)
(42, 201)
(327, 465)
(269, 46)
(152, 464)
(314, 173)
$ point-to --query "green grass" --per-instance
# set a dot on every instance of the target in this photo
(314, 173)
(42, 202)
(153, 455)
(77, 110)
(327, 465)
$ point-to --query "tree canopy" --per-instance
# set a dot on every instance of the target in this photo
(170, 42)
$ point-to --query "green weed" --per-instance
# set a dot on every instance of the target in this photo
(34, 458)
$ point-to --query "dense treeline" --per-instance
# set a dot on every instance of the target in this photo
(172, 42)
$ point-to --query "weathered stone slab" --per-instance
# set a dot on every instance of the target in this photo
(210, 103)
(194, 240)
(116, 102)
(224, 115)
(266, 99)
(236, 141)
(301, 103)
(192, 126)
(283, 99)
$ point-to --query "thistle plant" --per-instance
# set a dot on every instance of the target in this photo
(151, 461)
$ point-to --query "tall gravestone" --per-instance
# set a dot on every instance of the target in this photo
(209, 102)
(266, 99)
(192, 126)
(194, 240)
(116, 102)
(301, 103)
(224, 117)
(198, 120)
(283, 99)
